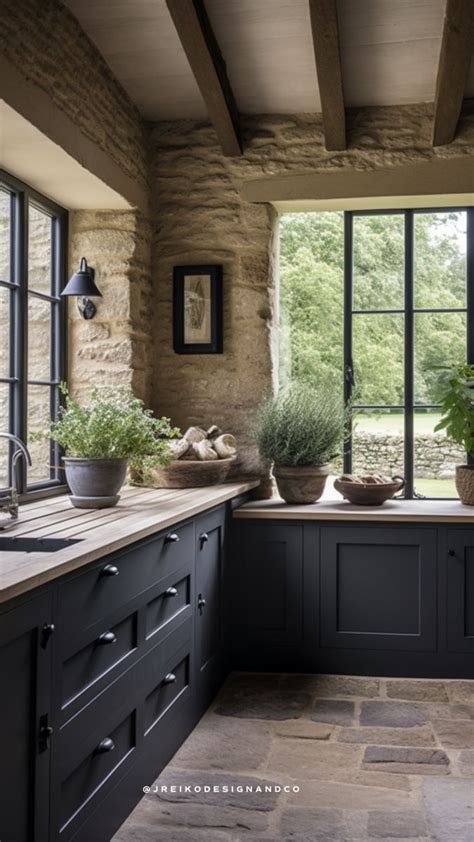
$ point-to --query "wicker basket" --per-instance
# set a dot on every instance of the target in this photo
(190, 473)
(465, 484)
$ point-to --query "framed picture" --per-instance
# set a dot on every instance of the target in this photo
(197, 309)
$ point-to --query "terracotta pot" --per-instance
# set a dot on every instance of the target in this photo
(465, 484)
(303, 484)
(368, 494)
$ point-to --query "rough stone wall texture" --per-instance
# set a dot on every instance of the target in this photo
(200, 217)
(45, 42)
(115, 347)
(435, 456)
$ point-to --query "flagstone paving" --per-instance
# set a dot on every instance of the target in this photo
(296, 758)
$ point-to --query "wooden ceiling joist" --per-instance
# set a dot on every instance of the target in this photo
(325, 33)
(208, 67)
(457, 48)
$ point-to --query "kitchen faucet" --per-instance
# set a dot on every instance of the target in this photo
(9, 501)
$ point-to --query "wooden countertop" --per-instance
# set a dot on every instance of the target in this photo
(140, 512)
(404, 511)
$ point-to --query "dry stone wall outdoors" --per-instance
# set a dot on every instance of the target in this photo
(435, 457)
(200, 217)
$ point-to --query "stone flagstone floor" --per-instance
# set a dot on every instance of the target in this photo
(371, 759)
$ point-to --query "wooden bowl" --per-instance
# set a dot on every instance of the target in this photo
(368, 494)
(191, 473)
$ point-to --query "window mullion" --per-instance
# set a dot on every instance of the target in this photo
(409, 355)
(348, 364)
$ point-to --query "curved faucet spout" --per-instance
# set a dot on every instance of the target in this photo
(22, 447)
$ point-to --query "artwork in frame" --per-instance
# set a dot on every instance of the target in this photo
(197, 309)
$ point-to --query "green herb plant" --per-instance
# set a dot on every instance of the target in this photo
(302, 425)
(114, 425)
(456, 388)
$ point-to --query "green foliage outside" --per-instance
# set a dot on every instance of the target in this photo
(301, 425)
(311, 301)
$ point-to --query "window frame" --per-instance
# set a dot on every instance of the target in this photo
(21, 197)
(408, 311)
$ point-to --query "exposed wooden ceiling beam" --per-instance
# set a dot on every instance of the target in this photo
(324, 27)
(204, 56)
(457, 47)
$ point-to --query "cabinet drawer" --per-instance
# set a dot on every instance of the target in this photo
(98, 657)
(171, 603)
(95, 769)
(120, 578)
(166, 693)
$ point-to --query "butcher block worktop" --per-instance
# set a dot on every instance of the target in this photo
(141, 512)
(403, 511)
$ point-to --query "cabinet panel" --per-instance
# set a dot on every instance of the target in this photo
(266, 589)
(24, 703)
(209, 613)
(460, 577)
(378, 588)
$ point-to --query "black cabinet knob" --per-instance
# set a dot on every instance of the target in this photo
(201, 603)
(170, 678)
(109, 570)
(451, 553)
(105, 745)
(172, 538)
(203, 538)
(106, 638)
(171, 592)
(46, 632)
(44, 733)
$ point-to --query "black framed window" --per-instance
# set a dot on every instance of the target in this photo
(415, 323)
(33, 243)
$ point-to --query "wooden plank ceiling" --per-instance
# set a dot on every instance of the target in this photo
(214, 58)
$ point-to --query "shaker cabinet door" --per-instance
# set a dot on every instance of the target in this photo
(460, 578)
(378, 588)
(209, 624)
(25, 718)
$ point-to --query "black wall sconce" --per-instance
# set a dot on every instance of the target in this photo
(81, 285)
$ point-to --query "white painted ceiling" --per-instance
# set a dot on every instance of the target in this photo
(389, 53)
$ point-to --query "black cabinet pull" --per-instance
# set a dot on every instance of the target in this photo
(46, 632)
(172, 538)
(109, 570)
(451, 553)
(201, 603)
(105, 745)
(171, 592)
(106, 638)
(44, 733)
(203, 538)
(169, 679)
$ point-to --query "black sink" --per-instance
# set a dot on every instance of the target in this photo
(8, 543)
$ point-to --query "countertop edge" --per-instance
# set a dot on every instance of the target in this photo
(276, 510)
(73, 559)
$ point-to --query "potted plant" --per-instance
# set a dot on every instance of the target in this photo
(300, 430)
(457, 419)
(102, 439)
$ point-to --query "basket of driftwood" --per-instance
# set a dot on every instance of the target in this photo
(201, 457)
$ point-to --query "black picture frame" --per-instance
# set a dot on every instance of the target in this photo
(197, 326)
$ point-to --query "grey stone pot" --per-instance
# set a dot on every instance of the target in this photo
(303, 484)
(94, 483)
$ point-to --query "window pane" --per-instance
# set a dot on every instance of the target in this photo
(311, 297)
(440, 259)
(378, 358)
(5, 235)
(4, 428)
(4, 331)
(39, 251)
(440, 339)
(38, 420)
(379, 248)
(39, 339)
(377, 442)
(435, 457)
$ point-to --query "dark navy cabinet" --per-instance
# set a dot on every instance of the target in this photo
(25, 670)
(378, 588)
(362, 598)
(105, 673)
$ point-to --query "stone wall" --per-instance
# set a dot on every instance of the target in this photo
(115, 347)
(47, 45)
(435, 456)
(200, 217)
